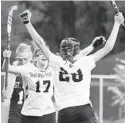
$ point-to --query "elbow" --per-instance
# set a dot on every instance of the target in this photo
(38, 40)
(109, 48)
(3, 69)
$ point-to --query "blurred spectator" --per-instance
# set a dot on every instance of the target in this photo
(120, 70)
(119, 98)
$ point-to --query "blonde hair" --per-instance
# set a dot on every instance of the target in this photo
(22, 48)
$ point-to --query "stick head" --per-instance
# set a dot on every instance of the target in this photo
(12, 8)
(114, 5)
(9, 23)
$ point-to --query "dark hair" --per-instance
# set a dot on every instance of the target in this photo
(70, 42)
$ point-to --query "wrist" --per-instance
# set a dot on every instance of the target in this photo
(117, 23)
(91, 45)
(28, 24)
(25, 22)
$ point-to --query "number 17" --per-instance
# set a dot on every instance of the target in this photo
(45, 82)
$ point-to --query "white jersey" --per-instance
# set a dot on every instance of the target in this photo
(39, 90)
(72, 85)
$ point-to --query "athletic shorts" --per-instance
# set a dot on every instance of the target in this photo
(15, 113)
(49, 118)
(77, 114)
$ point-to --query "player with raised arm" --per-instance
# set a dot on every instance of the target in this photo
(72, 88)
(97, 41)
(38, 87)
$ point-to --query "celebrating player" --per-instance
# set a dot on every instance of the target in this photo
(38, 86)
(97, 42)
(72, 88)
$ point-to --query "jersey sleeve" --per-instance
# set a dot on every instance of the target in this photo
(91, 62)
(55, 61)
(20, 70)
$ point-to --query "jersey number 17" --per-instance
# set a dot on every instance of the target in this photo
(45, 82)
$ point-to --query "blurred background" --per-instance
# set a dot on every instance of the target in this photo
(55, 20)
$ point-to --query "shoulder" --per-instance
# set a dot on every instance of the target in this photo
(88, 60)
(55, 60)
(30, 65)
(56, 56)
(27, 67)
(89, 57)
(50, 69)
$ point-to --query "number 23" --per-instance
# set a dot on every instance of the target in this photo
(76, 77)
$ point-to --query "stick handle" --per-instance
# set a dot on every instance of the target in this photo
(7, 62)
(115, 7)
(9, 23)
(6, 75)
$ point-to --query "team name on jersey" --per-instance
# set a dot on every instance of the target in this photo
(17, 85)
(40, 75)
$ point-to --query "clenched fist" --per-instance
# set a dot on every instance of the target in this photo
(26, 16)
(98, 41)
(6, 54)
(119, 18)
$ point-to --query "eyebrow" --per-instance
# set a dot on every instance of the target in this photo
(21, 58)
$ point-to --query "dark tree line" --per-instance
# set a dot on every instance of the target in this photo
(55, 20)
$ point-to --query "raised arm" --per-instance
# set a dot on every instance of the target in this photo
(11, 68)
(87, 50)
(34, 46)
(25, 16)
(119, 19)
(97, 41)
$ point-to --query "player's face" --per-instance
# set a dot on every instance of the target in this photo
(41, 61)
(23, 58)
(22, 61)
(67, 53)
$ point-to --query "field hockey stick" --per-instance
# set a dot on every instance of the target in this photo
(9, 24)
(116, 9)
